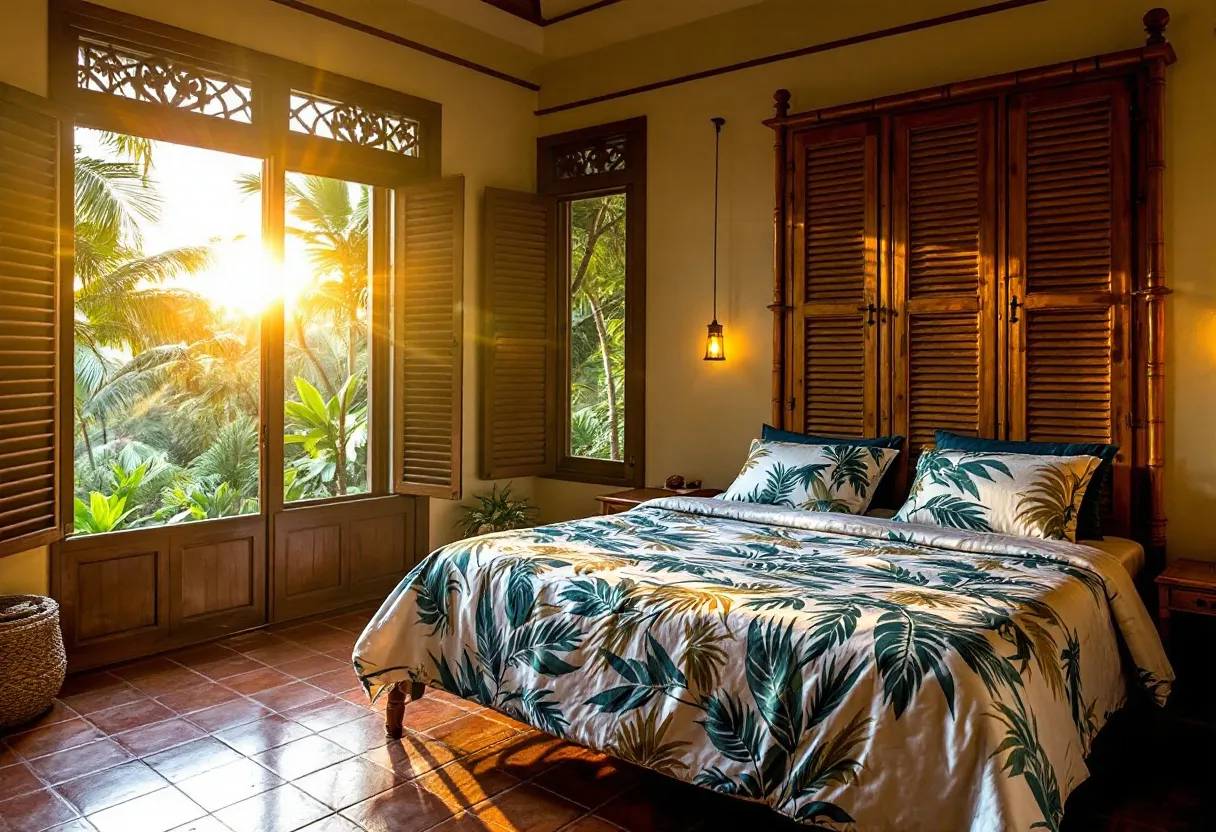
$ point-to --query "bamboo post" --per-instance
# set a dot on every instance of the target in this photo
(781, 103)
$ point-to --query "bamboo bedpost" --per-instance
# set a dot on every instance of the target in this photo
(781, 103)
(394, 713)
(1155, 289)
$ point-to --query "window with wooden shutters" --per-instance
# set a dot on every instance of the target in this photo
(519, 345)
(944, 218)
(428, 322)
(35, 252)
(1070, 265)
(835, 254)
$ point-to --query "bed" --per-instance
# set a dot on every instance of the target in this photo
(826, 665)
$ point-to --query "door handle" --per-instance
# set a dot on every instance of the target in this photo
(1013, 309)
(871, 309)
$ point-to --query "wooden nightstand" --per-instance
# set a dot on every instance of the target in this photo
(619, 501)
(1185, 586)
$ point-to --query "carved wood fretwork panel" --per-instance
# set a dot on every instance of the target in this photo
(604, 155)
(157, 80)
(379, 129)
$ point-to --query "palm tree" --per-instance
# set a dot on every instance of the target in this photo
(334, 229)
(597, 294)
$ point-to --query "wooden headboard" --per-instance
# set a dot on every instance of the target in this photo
(985, 257)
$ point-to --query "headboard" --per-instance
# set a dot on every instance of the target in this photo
(985, 257)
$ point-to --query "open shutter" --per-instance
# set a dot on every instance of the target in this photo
(519, 346)
(835, 267)
(1069, 266)
(35, 279)
(428, 321)
(944, 218)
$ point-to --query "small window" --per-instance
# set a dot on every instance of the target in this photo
(598, 177)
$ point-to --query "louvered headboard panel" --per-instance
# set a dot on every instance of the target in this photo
(985, 257)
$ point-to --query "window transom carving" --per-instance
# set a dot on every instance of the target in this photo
(379, 129)
(604, 155)
(141, 77)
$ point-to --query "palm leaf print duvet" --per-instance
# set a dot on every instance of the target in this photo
(849, 672)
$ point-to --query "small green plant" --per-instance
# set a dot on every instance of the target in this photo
(497, 511)
(101, 514)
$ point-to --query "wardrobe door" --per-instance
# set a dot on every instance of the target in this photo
(1069, 273)
(834, 254)
(943, 290)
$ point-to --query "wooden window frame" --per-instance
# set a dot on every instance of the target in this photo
(267, 137)
(624, 174)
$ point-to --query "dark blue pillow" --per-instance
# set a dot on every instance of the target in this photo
(1089, 521)
(772, 434)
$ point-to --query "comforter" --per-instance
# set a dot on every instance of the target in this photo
(849, 672)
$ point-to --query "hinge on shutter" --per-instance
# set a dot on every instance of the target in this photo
(790, 404)
(1013, 309)
(69, 529)
(1132, 422)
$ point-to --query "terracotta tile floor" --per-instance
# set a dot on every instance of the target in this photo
(269, 732)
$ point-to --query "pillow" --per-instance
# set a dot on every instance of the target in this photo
(810, 477)
(771, 434)
(1017, 494)
(1089, 525)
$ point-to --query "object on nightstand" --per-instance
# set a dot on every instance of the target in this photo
(619, 501)
(1185, 586)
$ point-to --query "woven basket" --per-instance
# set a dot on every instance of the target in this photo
(32, 661)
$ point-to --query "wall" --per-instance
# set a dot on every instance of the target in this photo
(489, 134)
(700, 416)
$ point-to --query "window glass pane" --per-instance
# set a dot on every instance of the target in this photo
(170, 285)
(597, 327)
(327, 293)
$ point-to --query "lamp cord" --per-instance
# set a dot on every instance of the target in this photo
(718, 122)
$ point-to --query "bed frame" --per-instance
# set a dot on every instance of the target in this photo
(1136, 357)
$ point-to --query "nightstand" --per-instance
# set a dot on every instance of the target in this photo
(619, 501)
(1185, 586)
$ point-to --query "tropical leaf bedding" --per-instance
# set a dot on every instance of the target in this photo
(849, 672)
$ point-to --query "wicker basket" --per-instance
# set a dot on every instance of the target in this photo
(32, 661)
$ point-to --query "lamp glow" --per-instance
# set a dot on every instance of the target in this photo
(715, 343)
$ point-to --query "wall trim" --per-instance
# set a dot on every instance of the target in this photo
(375, 32)
(892, 31)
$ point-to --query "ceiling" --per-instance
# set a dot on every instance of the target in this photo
(547, 11)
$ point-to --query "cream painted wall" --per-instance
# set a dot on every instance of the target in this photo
(489, 134)
(700, 416)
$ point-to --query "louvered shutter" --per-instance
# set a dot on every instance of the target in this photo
(944, 221)
(835, 267)
(35, 277)
(1070, 265)
(519, 345)
(428, 321)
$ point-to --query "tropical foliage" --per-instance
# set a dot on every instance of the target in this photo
(786, 656)
(597, 327)
(167, 402)
(497, 511)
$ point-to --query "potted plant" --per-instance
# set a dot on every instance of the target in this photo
(497, 511)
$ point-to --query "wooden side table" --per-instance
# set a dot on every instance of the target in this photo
(619, 501)
(1185, 586)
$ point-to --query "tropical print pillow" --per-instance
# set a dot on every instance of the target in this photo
(810, 477)
(1025, 495)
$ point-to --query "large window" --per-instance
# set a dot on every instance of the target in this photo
(326, 308)
(170, 285)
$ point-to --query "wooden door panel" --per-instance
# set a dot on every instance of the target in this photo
(117, 596)
(335, 555)
(218, 575)
(1070, 257)
(377, 547)
(835, 255)
(944, 233)
(313, 559)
